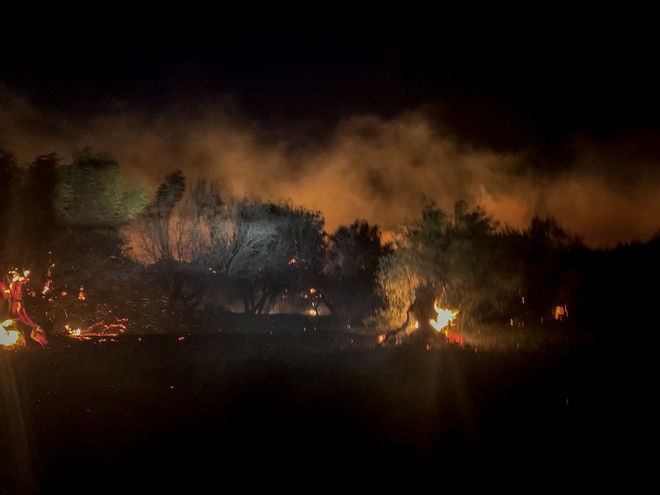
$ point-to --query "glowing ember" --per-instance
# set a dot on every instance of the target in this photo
(81, 293)
(561, 312)
(8, 337)
(444, 319)
(74, 332)
(98, 329)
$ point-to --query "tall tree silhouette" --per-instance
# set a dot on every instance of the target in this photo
(39, 227)
(10, 180)
(349, 287)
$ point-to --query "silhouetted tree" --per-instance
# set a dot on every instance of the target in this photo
(154, 225)
(271, 247)
(39, 226)
(349, 287)
(10, 179)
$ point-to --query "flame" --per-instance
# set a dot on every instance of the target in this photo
(98, 329)
(74, 332)
(444, 318)
(561, 312)
(81, 293)
(16, 276)
(8, 337)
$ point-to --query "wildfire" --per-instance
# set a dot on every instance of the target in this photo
(8, 337)
(73, 332)
(561, 312)
(98, 329)
(444, 318)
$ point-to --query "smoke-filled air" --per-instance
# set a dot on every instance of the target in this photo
(365, 167)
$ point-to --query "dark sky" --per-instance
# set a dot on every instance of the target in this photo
(514, 115)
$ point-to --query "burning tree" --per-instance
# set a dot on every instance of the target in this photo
(12, 292)
(443, 261)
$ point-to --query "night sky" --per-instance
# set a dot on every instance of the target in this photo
(556, 119)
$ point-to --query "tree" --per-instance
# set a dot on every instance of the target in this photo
(265, 249)
(459, 261)
(11, 184)
(544, 250)
(154, 224)
(39, 228)
(91, 193)
(92, 205)
(349, 286)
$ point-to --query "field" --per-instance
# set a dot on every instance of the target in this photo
(290, 408)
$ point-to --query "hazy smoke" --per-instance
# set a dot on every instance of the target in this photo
(367, 167)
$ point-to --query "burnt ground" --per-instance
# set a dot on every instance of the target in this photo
(313, 410)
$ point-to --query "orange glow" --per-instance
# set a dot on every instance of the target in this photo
(98, 329)
(81, 293)
(561, 312)
(12, 292)
(381, 338)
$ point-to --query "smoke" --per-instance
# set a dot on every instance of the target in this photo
(366, 167)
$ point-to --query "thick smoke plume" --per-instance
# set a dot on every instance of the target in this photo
(366, 167)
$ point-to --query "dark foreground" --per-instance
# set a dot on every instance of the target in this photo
(309, 411)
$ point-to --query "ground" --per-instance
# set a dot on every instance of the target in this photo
(283, 408)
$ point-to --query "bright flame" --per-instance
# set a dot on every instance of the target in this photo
(561, 312)
(444, 319)
(74, 332)
(8, 337)
(98, 329)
